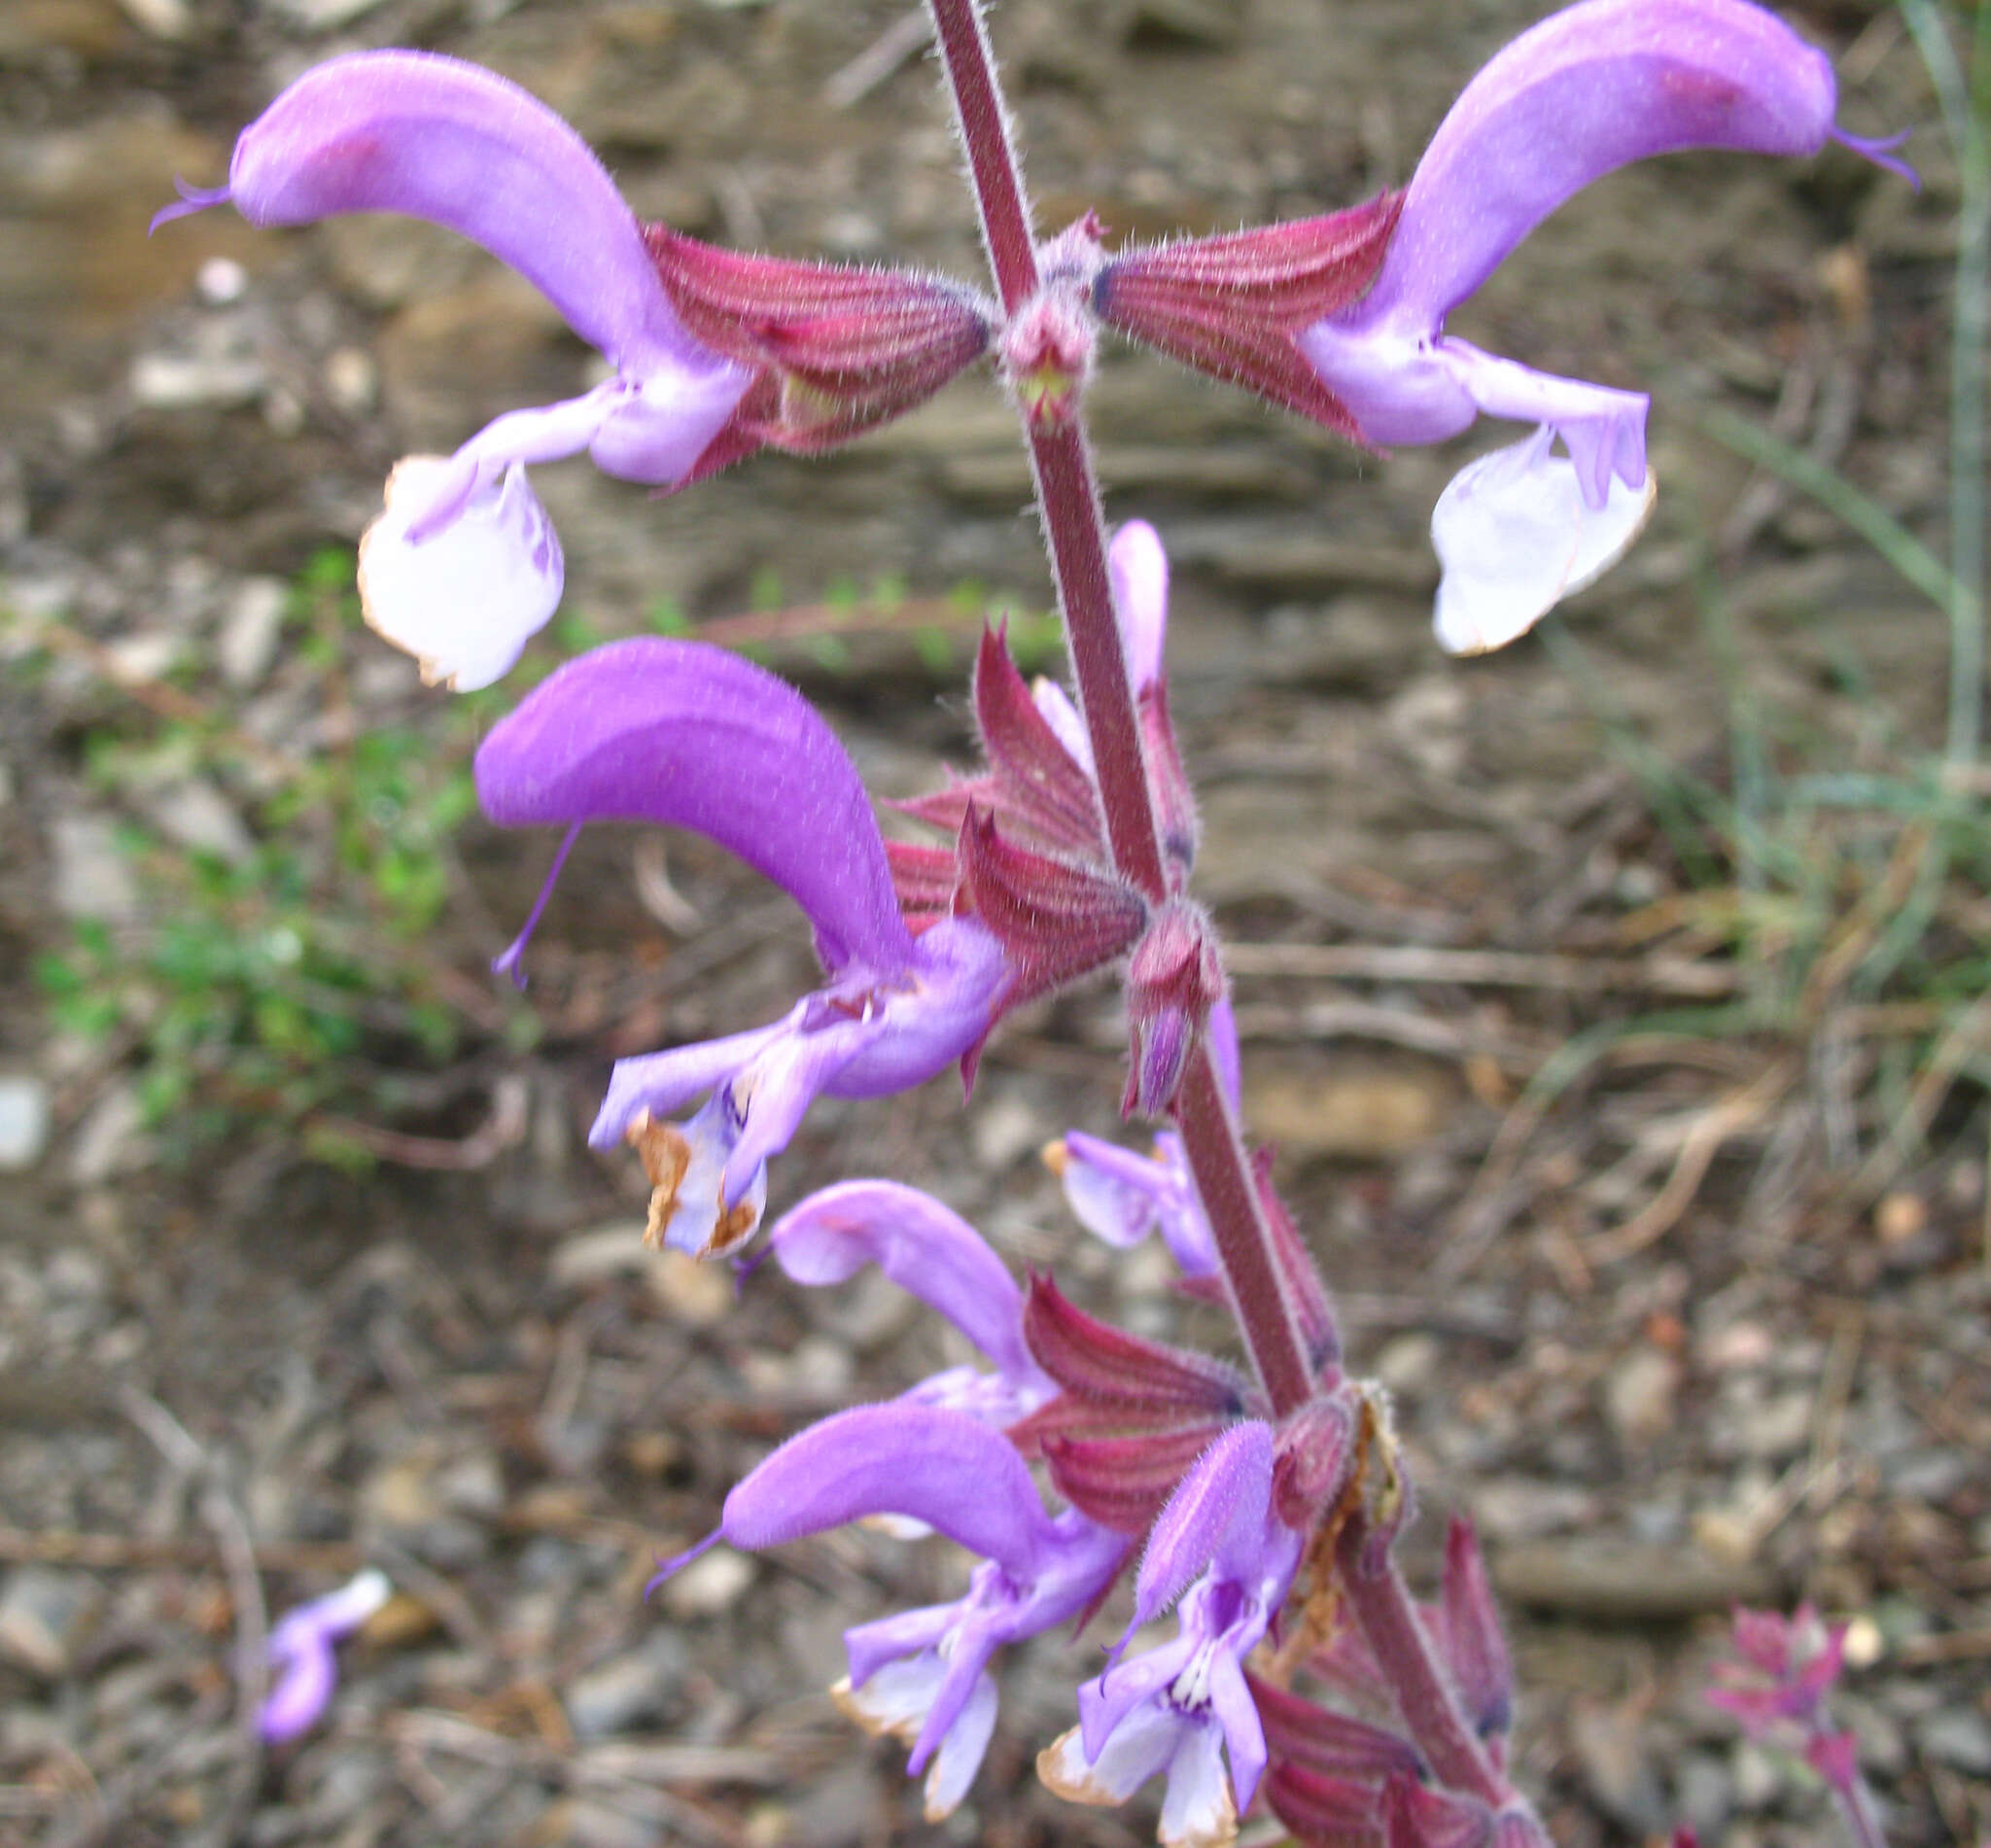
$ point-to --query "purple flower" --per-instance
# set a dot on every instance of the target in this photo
(1179, 1710)
(924, 1674)
(301, 1652)
(688, 734)
(1122, 1197)
(462, 567)
(934, 1254)
(1584, 91)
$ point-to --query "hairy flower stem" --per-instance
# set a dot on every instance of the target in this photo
(1403, 1649)
(1074, 527)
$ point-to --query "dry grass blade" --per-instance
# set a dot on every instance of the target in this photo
(1738, 1111)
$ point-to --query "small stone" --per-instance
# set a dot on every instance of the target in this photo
(195, 815)
(1705, 1793)
(139, 660)
(324, 16)
(1899, 1217)
(249, 631)
(1639, 1396)
(111, 1138)
(1005, 1128)
(44, 1614)
(23, 1121)
(709, 1585)
(600, 1253)
(1958, 1738)
(1363, 1111)
(617, 1695)
(167, 19)
(1407, 1365)
(352, 380)
(1212, 25)
(1757, 1775)
(221, 280)
(1610, 1747)
(184, 381)
(690, 1292)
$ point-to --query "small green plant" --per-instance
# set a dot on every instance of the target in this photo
(262, 987)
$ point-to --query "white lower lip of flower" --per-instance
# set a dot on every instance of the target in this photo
(467, 600)
(1515, 538)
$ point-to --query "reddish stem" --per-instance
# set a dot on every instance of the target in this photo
(1068, 498)
(1403, 1649)
(1074, 527)
(1223, 1177)
(992, 155)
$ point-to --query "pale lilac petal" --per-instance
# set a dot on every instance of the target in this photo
(464, 602)
(708, 1193)
(682, 732)
(1226, 1491)
(307, 1671)
(927, 1249)
(1111, 1190)
(664, 1083)
(1108, 1701)
(774, 1093)
(1139, 571)
(1198, 1809)
(1515, 535)
(439, 139)
(869, 1647)
(1139, 1748)
(1064, 719)
(953, 1473)
(1586, 91)
(961, 1749)
(896, 1695)
(1237, 1717)
(1603, 430)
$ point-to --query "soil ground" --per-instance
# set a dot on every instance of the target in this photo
(1701, 1321)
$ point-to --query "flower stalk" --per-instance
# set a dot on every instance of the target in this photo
(1074, 529)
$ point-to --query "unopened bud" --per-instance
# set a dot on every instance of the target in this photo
(1174, 979)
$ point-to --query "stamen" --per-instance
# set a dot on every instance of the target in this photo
(192, 199)
(509, 962)
(1881, 151)
(666, 1567)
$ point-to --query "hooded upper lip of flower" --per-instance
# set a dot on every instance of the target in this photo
(1584, 91)
(687, 733)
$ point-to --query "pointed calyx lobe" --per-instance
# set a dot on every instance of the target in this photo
(1133, 1414)
(834, 350)
(1233, 306)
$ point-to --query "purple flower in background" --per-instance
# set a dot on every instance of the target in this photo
(688, 734)
(931, 1253)
(924, 1674)
(302, 1649)
(1585, 92)
(1179, 1710)
(463, 567)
